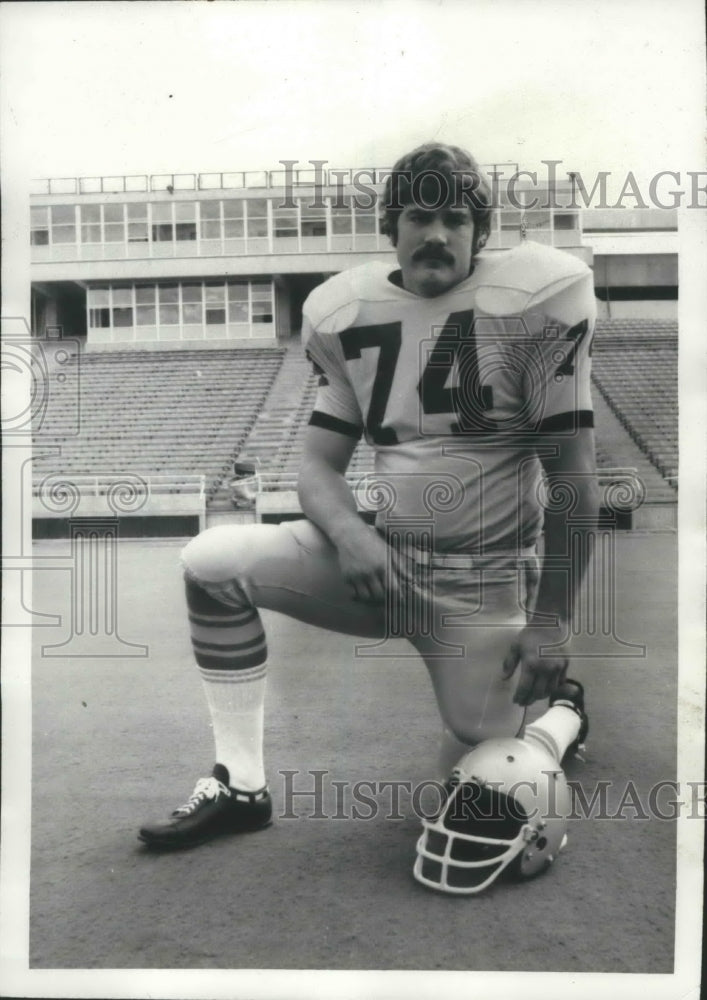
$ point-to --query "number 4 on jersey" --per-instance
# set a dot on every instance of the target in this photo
(468, 399)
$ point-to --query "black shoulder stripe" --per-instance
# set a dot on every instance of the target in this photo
(566, 422)
(329, 423)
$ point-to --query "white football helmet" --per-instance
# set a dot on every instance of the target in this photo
(507, 808)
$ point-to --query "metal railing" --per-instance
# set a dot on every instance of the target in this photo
(221, 181)
(105, 485)
(616, 477)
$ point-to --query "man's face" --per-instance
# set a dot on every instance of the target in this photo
(434, 248)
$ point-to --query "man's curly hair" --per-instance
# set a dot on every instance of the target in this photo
(432, 175)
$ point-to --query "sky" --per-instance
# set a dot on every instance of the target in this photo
(194, 86)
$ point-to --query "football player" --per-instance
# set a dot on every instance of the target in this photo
(468, 373)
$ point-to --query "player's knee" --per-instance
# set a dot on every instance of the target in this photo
(463, 728)
(472, 727)
(216, 555)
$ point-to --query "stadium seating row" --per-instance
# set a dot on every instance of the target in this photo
(637, 376)
(174, 412)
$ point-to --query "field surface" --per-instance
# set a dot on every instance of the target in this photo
(120, 740)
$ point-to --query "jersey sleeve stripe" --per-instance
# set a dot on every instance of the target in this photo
(566, 421)
(329, 423)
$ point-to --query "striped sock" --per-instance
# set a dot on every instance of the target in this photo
(555, 730)
(231, 652)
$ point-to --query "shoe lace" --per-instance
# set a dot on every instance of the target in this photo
(205, 788)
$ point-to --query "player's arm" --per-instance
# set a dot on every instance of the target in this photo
(572, 490)
(571, 485)
(324, 494)
(334, 430)
(565, 447)
(328, 501)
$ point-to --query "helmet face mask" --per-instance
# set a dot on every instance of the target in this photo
(506, 811)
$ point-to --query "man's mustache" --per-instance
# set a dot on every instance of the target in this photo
(433, 253)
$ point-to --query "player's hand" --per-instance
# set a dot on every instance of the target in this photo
(539, 674)
(367, 565)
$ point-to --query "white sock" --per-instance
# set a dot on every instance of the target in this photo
(555, 730)
(236, 701)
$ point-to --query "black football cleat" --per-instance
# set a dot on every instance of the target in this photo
(213, 810)
(570, 694)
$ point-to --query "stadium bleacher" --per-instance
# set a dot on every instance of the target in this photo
(635, 370)
(277, 437)
(155, 413)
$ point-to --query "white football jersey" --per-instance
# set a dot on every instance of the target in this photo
(454, 392)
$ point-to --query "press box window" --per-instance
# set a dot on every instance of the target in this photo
(90, 223)
(510, 220)
(565, 221)
(365, 220)
(63, 224)
(261, 310)
(162, 227)
(123, 316)
(341, 222)
(262, 313)
(39, 223)
(186, 230)
(193, 313)
(285, 223)
(210, 214)
(313, 221)
(185, 212)
(114, 224)
(192, 304)
(238, 303)
(257, 218)
(169, 315)
(146, 315)
(137, 223)
(537, 220)
(99, 318)
(233, 220)
(137, 232)
(169, 304)
(145, 311)
(98, 301)
(99, 295)
(163, 233)
(215, 295)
